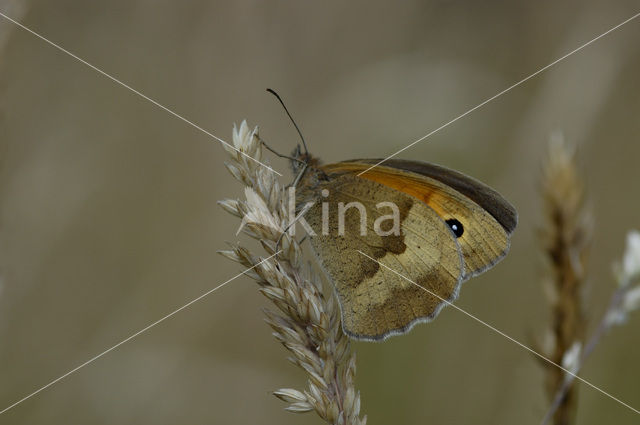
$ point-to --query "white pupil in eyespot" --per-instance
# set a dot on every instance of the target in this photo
(456, 227)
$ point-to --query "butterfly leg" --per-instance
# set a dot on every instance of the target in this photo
(273, 151)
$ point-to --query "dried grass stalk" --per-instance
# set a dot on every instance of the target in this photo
(306, 319)
(566, 237)
(624, 300)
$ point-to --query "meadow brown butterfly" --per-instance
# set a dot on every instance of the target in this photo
(432, 225)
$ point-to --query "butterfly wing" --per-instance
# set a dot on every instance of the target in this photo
(376, 302)
(486, 218)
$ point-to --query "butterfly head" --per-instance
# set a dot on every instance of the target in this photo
(300, 159)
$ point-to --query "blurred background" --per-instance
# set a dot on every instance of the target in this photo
(108, 215)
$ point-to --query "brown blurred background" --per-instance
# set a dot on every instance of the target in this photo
(108, 215)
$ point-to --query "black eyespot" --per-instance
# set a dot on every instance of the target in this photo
(456, 226)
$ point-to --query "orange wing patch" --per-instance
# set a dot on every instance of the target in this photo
(402, 181)
(411, 186)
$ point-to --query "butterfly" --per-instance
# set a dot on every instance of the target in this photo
(397, 240)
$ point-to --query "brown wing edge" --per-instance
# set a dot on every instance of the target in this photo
(480, 193)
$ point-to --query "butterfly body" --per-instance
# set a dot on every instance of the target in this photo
(432, 228)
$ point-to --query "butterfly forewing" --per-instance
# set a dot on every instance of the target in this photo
(482, 235)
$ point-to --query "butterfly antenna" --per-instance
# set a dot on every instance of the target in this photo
(291, 118)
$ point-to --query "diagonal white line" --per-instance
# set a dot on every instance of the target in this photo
(114, 79)
(91, 360)
(504, 91)
(499, 332)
